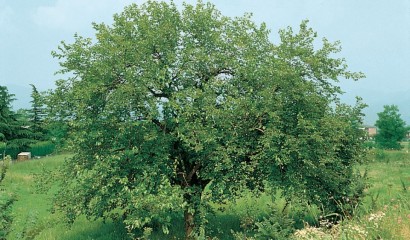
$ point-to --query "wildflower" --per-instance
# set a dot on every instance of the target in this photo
(376, 217)
(310, 233)
(357, 231)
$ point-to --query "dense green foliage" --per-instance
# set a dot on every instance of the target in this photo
(14, 132)
(165, 104)
(6, 201)
(391, 129)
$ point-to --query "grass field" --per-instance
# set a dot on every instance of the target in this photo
(385, 213)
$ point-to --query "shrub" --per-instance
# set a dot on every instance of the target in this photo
(370, 145)
(277, 225)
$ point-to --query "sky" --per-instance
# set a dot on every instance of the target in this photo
(374, 35)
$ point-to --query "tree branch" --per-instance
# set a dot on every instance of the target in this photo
(160, 125)
(193, 171)
(213, 73)
(225, 71)
(157, 94)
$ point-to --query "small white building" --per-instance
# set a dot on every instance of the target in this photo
(24, 156)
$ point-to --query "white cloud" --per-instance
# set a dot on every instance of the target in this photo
(76, 15)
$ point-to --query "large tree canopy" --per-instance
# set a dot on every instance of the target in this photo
(164, 103)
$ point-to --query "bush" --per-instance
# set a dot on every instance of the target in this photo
(42, 148)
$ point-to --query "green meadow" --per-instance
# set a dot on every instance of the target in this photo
(384, 213)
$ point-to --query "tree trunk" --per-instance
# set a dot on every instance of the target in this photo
(189, 225)
(191, 213)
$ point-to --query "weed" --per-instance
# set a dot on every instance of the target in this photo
(403, 185)
(380, 155)
(374, 199)
(277, 225)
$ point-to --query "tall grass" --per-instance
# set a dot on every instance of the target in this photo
(31, 211)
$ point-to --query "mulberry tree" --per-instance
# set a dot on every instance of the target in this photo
(165, 103)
